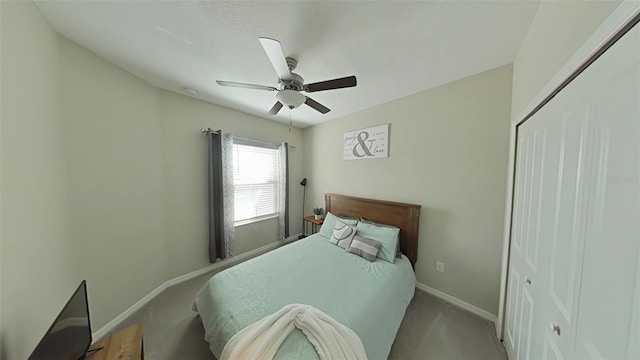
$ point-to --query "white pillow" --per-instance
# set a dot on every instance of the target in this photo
(330, 222)
(342, 234)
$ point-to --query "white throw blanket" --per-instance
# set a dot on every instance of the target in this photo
(262, 339)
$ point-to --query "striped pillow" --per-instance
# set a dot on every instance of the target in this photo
(364, 247)
(342, 234)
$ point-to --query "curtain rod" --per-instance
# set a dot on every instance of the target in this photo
(206, 131)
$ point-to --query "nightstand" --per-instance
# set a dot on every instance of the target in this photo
(315, 224)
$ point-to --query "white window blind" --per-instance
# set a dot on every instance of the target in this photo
(255, 178)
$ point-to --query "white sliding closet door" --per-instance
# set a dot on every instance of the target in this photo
(535, 194)
(605, 305)
(574, 274)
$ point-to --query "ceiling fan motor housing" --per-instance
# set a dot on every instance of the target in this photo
(291, 63)
(296, 83)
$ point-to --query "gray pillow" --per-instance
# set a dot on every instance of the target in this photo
(366, 248)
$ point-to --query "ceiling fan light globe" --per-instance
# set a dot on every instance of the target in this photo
(290, 98)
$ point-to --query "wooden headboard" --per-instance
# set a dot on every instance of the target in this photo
(404, 216)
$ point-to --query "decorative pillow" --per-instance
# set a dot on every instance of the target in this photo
(330, 222)
(398, 253)
(386, 235)
(342, 234)
(367, 248)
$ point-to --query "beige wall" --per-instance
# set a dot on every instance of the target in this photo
(115, 185)
(36, 268)
(185, 153)
(103, 178)
(556, 32)
(448, 153)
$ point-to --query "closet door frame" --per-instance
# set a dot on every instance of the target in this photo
(616, 25)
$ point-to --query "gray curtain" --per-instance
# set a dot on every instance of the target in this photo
(221, 234)
(228, 195)
(283, 193)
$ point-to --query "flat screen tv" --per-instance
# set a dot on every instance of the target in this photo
(69, 337)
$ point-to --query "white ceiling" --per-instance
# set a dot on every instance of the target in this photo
(395, 48)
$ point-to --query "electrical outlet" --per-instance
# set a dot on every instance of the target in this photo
(439, 266)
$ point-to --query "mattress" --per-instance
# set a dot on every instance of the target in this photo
(368, 297)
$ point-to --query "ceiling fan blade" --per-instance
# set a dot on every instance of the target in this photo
(316, 105)
(276, 107)
(344, 82)
(276, 56)
(245, 86)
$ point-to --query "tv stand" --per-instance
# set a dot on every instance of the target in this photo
(124, 344)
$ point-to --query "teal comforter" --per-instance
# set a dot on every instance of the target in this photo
(368, 297)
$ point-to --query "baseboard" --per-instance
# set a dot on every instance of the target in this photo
(113, 324)
(459, 303)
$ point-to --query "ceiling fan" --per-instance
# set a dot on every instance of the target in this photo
(291, 84)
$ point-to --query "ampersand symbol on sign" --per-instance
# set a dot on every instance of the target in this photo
(362, 137)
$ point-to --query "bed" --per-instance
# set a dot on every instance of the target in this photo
(368, 297)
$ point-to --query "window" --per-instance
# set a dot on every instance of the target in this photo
(255, 179)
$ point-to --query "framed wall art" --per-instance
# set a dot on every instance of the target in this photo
(369, 143)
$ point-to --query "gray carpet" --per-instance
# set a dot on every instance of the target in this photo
(431, 329)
